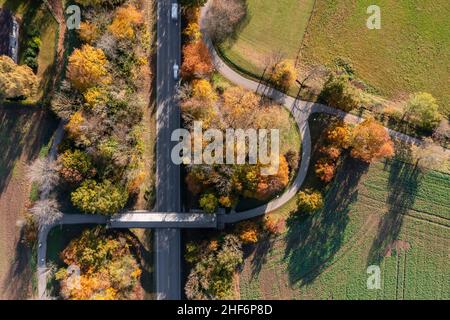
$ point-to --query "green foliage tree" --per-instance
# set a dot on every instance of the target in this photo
(337, 92)
(209, 202)
(75, 166)
(423, 110)
(99, 198)
(212, 274)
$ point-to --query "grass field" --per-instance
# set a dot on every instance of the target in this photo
(270, 26)
(409, 53)
(387, 214)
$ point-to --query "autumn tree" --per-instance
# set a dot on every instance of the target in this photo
(87, 68)
(325, 170)
(108, 269)
(214, 265)
(339, 135)
(193, 31)
(203, 89)
(270, 185)
(309, 201)
(209, 202)
(88, 32)
(283, 74)
(16, 81)
(338, 92)
(75, 166)
(99, 198)
(44, 172)
(248, 232)
(46, 212)
(193, 3)
(196, 60)
(125, 21)
(370, 141)
(423, 110)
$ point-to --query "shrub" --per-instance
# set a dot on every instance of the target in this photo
(248, 232)
(209, 203)
(337, 92)
(283, 75)
(423, 110)
(309, 201)
(325, 170)
(75, 166)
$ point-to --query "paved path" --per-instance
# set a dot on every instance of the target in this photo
(167, 240)
(301, 110)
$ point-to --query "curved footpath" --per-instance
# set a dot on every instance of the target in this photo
(300, 110)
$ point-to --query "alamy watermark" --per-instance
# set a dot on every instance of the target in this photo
(235, 146)
(374, 21)
(374, 279)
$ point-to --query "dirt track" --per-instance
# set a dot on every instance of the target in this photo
(23, 132)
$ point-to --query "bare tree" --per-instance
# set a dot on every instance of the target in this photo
(46, 212)
(223, 17)
(429, 156)
(442, 132)
(45, 174)
(316, 72)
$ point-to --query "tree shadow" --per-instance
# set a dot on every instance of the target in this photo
(312, 241)
(404, 180)
(18, 279)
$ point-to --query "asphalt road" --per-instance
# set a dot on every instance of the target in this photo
(167, 241)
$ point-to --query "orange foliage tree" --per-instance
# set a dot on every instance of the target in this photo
(196, 60)
(370, 141)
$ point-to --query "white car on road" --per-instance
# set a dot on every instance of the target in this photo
(174, 12)
(176, 70)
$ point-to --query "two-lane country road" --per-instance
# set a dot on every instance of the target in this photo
(167, 241)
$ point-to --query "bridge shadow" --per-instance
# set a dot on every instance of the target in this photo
(312, 241)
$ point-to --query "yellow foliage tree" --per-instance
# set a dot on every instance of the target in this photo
(73, 127)
(15, 80)
(94, 96)
(248, 232)
(203, 89)
(88, 32)
(125, 21)
(87, 68)
(283, 74)
(193, 31)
